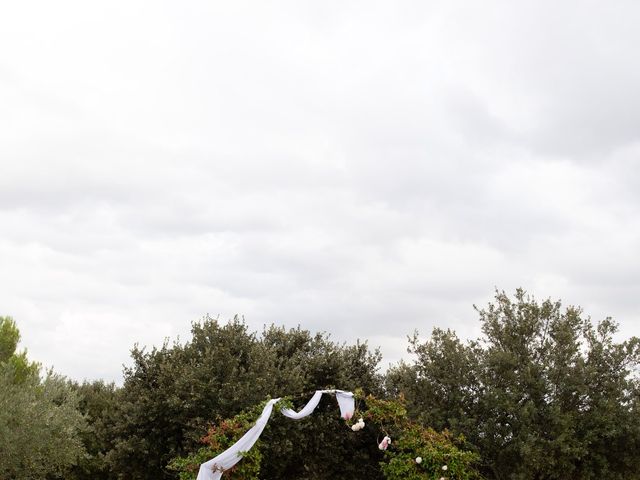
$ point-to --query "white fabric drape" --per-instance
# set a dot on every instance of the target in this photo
(347, 403)
(213, 469)
(307, 409)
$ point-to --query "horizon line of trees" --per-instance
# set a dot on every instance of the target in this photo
(544, 393)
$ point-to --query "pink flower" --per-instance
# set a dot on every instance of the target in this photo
(348, 415)
(386, 441)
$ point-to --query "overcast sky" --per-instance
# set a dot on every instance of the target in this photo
(361, 168)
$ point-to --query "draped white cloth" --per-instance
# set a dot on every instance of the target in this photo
(213, 469)
(307, 409)
(347, 403)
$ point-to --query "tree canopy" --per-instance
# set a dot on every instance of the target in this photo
(172, 393)
(40, 423)
(544, 393)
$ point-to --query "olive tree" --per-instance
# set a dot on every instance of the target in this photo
(40, 424)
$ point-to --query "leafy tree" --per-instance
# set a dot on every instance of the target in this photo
(98, 402)
(16, 361)
(39, 420)
(442, 387)
(9, 338)
(543, 394)
(171, 394)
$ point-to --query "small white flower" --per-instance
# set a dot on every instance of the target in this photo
(360, 420)
(357, 426)
(418, 460)
(442, 478)
(445, 468)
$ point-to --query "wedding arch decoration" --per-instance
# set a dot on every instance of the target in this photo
(214, 468)
(409, 450)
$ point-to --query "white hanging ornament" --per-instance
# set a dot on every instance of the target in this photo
(359, 425)
(384, 444)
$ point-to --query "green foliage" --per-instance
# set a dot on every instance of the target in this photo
(97, 401)
(40, 423)
(218, 438)
(439, 456)
(544, 394)
(442, 386)
(9, 338)
(411, 440)
(188, 467)
(21, 367)
(381, 412)
(170, 394)
(383, 417)
(319, 446)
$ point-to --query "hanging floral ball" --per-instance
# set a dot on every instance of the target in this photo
(386, 441)
(358, 426)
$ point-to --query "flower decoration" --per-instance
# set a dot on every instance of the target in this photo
(384, 444)
(358, 426)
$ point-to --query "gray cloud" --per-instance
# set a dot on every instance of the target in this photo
(361, 169)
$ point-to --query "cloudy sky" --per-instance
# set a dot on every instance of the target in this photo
(361, 168)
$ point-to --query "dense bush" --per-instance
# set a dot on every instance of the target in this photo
(98, 403)
(40, 425)
(544, 393)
